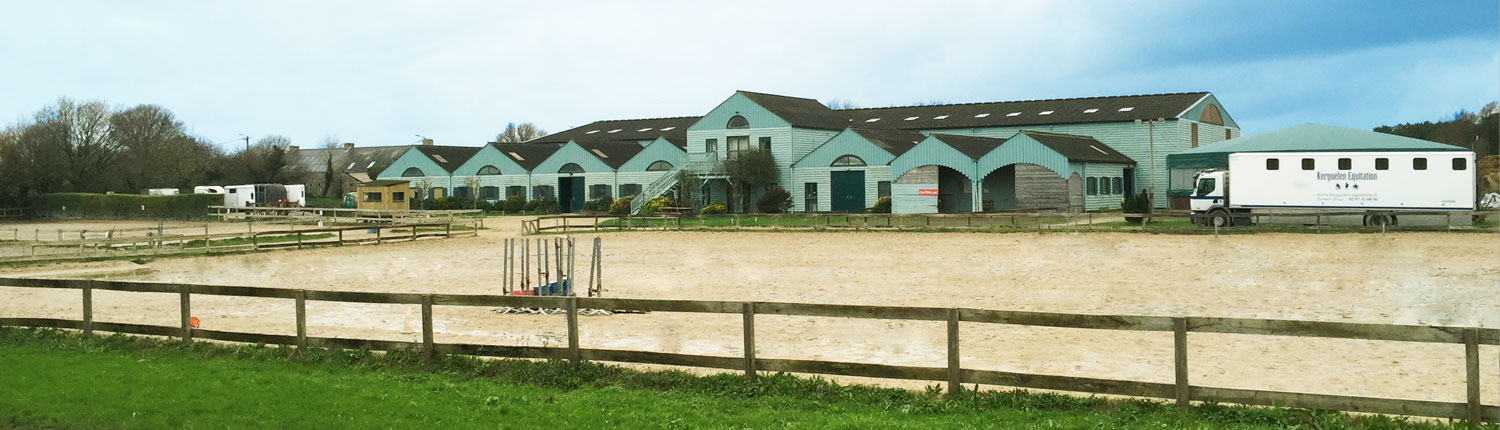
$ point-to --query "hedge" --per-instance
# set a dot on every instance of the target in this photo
(124, 206)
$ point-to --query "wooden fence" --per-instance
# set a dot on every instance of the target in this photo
(1181, 391)
(12, 212)
(131, 246)
(1186, 222)
(342, 214)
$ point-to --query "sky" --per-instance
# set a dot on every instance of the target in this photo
(384, 73)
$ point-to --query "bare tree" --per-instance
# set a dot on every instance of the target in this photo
(517, 133)
(156, 150)
(840, 103)
(473, 183)
(330, 143)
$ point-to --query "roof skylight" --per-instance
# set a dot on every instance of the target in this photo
(667, 128)
(1101, 151)
(982, 115)
(599, 153)
(940, 117)
(911, 118)
(872, 120)
(592, 131)
(1090, 110)
(351, 166)
(616, 130)
(439, 158)
(516, 156)
(645, 129)
(1013, 114)
(372, 164)
(1127, 109)
(1045, 112)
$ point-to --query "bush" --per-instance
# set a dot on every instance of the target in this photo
(714, 209)
(654, 206)
(547, 204)
(598, 205)
(775, 200)
(621, 206)
(1135, 203)
(125, 206)
(882, 206)
(514, 204)
(532, 206)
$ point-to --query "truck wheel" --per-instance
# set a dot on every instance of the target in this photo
(1380, 220)
(1218, 218)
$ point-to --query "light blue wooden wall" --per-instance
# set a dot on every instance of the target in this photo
(415, 158)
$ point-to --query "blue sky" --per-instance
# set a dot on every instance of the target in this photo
(379, 73)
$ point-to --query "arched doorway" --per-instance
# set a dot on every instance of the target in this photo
(1023, 186)
(932, 189)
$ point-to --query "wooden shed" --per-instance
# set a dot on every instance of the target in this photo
(383, 195)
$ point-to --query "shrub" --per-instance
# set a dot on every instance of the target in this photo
(1135, 203)
(775, 200)
(514, 204)
(547, 204)
(882, 206)
(532, 206)
(714, 209)
(654, 206)
(598, 205)
(621, 206)
(125, 206)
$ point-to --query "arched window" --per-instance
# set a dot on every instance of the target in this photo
(848, 161)
(489, 170)
(1211, 115)
(659, 166)
(412, 172)
(570, 168)
(738, 122)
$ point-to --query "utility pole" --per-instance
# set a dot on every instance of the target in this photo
(1151, 145)
(247, 143)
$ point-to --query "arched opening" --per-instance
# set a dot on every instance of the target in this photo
(932, 189)
(659, 166)
(412, 172)
(1211, 115)
(848, 161)
(737, 122)
(570, 169)
(489, 170)
(1023, 186)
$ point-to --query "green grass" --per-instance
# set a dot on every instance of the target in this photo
(263, 239)
(60, 380)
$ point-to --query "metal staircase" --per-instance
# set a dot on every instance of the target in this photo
(696, 163)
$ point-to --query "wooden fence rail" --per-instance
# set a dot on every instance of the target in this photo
(1181, 390)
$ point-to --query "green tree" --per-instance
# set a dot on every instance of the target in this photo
(517, 133)
(749, 170)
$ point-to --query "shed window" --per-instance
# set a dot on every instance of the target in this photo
(570, 169)
(711, 145)
(630, 190)
(1093, 186)
(659, 166)
(515, 190)
(737, 122)
(489, 193)
(1195, 135)
(412, 172)
(882, 189)
(437, 192)
(737, 145)
(848, 161)
(1382, 164)
(462, 192)
(599, 191)
(1119, 185)
(765, 143)
(1104, 186)
(1226, 134)
(1308, 164)
(489, 170)
(1419, 163)
(541, 192)
(1273, 164)
(1460, 164)
(372, 197)
(398, 196)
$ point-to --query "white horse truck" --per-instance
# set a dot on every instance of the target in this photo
(1380, 185)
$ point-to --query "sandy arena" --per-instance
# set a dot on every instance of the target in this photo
(1407, 278)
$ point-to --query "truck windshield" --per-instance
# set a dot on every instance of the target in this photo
(1205, 186)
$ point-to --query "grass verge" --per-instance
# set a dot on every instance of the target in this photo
(58, 379)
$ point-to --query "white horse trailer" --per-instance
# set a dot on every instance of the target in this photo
(296, 195)
(239, 196)
(208, 189)
(1375, 182)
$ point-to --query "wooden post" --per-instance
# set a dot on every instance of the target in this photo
(377, 235)
(299, 240)
(572, 280)
(1179, 345)
(573, 353)
(955, 375)
(447, 231)
(427, 327)
(748, 311)
(88, 308)
(187, 314)
(301, 300)
(1471, 362)
(254, 242)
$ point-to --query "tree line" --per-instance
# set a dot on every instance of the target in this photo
(94, 147)
(1478, 131)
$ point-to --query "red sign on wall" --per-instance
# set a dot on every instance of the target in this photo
(927, 191)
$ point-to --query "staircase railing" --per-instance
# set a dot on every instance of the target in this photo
(696, 163)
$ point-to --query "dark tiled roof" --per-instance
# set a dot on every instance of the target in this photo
(679, 141)
(800, 112)
(974, 147)
(531, 154)
(998, 114)
(615, 153)
(385, 183)
(448, 157)
(352, 160)
(1079, 148)
(624, 129)
(896, 142)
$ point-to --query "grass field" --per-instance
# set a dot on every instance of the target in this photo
(61, 380)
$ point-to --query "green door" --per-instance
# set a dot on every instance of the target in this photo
(570, 194)
(848, 191)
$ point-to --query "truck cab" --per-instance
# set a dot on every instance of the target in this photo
(1209, 191)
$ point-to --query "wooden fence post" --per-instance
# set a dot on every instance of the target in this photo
(88, 308)
(749, 316)
(427, 348)
(187, 314)
(573, 352)
(341, 238)
(377, 235)
(299, 240)
(955, 375)
(1179, 345)
(1471, 361)
(301, 300)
